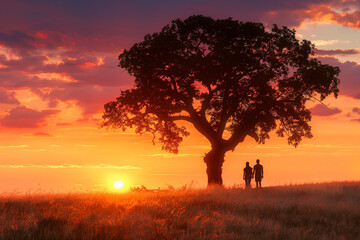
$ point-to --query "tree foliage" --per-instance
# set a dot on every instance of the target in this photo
(221, 76)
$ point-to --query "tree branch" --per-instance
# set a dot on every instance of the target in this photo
(206, 102)
(178, 118)
(224, 116)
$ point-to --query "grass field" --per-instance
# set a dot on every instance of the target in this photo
(313, 211)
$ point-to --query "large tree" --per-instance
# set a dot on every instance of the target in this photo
(229, 79)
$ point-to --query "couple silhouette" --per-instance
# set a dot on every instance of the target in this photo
(249, 173)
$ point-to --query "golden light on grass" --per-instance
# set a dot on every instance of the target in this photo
(118, 184)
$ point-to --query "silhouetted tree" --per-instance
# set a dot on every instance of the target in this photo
(228, 78)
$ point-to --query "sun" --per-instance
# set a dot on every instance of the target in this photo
(118, 184)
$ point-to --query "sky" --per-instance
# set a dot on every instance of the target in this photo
(58, 67)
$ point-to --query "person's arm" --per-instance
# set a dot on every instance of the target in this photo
(262, 172)
(244, 174)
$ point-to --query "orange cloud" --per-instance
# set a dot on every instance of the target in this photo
(342, 14)
(52, 75)
(41, 35)
(100, 61)
(23, 117)
(87, 65)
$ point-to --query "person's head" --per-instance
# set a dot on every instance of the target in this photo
(247, 164)
(257, 161)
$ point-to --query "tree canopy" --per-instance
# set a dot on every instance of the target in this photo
(222, 76)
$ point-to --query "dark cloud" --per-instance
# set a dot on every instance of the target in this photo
(330, 52)
(349, 76)
(8, 97)
(17, 40)
(321, 110)
(111, 25)
(23, 117)
(90, 99)
(356, 110)
(67, 50)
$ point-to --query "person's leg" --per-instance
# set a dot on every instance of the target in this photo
(257, 183)
(260, 183)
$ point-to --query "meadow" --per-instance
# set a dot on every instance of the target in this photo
(311, 211)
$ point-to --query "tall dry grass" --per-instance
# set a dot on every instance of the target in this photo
(314, 211)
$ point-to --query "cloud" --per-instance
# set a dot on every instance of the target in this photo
(336, 52)
(15, 146)
(98, 26)
(43, 134)
(89, 98)
(349, 76)
(68, 50)
(8, 97)
(86, 145)
(321, 110)
(99, 166)
(349, 19)
(356, 110)
(324, 42)
(23, 117)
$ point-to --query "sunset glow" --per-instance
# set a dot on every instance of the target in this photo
(58, 69)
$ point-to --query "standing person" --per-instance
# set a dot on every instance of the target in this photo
(258, 172)
(247, 174)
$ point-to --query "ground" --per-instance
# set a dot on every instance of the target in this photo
(312, 211)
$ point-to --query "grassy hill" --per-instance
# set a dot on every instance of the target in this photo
(312, 211)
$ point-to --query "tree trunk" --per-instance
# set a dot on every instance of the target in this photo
(214, 161)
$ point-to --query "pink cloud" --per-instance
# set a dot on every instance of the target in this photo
(321, 110)
(23, 117)
(329, 52)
